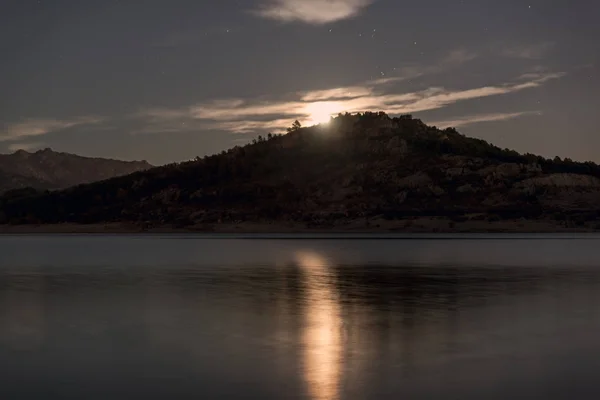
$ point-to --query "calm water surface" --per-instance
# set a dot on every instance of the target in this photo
(294, 317)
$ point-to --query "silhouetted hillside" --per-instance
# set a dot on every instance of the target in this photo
(357, 171)
(46, 169)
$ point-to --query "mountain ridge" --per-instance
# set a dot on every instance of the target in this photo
(359, 171)
(48, 169)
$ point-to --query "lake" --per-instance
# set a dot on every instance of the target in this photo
(317, 317)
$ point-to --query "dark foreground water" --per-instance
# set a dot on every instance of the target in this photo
(188, 317)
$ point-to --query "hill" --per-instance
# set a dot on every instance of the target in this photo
(47, 169)
(365, 172)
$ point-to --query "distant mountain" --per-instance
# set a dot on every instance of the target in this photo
(47, 169)
(365, 171)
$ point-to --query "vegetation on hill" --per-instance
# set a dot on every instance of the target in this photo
(355, 168)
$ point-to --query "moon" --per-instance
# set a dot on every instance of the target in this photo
(322, 111)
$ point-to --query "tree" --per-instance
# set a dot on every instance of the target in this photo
(295, 126)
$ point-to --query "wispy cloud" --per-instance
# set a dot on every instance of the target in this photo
(527, 51)
(162, 114)
(475, 119)
(540, 77)
(454, 59)
(458, 57)
(245, 116)
(312, 107)
(251, 126)
(342, 93)
(39, 127)
(435, 98)
(315, 12)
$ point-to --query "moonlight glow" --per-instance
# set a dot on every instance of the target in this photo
(321, 112)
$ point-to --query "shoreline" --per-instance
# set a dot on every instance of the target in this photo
(420, 226)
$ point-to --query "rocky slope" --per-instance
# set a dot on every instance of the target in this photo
(46, 169)
(357, 171)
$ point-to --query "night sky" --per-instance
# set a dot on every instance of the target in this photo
(170, 80)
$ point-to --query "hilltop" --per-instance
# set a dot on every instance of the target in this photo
(47, 169)
(358, 172)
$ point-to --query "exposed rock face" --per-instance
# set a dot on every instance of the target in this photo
(454, 172)
(468, 188)
(436, 190)
(417, 180)
(46, 169)
(501, 171)
(561, 181)
(401, 197)
(532, 168)
(398, 146)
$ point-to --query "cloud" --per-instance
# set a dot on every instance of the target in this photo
(274, 126)
(245, 109)
(248, 116)
(39, 127)
(315, 12)
(311, 107)
(528, 52)
(541, 77)
(343, 93)
(475, 119)
(458, 57)
(161, 114)
(435, 98)
(452, 60)
(242, 116)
